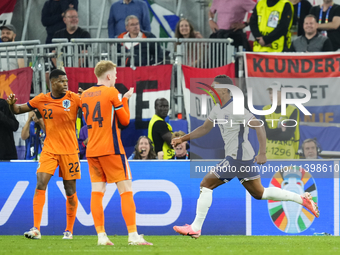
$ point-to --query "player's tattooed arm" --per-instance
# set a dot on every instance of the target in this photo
(15, 108)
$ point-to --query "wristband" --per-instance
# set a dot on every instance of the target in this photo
(211, 19)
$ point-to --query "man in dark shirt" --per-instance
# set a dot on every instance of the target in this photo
(52, 15)
(328, 17)
(71, 31)
(312, 41)
(8, 124)
(269, 42)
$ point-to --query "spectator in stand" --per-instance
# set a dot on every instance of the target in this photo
(184, 29)
(82, 142)
(8, 125)
(230, 16)
(123, 8)
(329, 21)
(143, 149)
(34, 135)
(311, 41)
(8, 34)
(181, 150)
(53, 13)
(270, 24)
(71, 31)
(133, 31)
(301, 10)
(311, 149)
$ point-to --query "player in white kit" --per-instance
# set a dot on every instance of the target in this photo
(239, 155)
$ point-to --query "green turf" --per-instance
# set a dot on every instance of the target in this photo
(175, 245)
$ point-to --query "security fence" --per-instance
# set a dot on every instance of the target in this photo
(201, 53)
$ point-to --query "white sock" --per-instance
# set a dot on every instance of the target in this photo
(101, 235)
(133, 236)
(277, 194)
(203, 205)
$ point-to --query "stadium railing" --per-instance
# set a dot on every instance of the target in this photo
(201, 53)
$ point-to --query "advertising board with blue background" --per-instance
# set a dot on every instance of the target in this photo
(165, 195)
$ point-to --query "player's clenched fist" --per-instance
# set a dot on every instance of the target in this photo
(176, 141)
(11, 99)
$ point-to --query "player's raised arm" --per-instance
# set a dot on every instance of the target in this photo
(197, 133)
(261, 158)
(17, 108)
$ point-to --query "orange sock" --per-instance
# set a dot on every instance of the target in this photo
(98, 211)
(129, 211)
(71, 211)
(38, 205)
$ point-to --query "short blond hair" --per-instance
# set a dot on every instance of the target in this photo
(177, 134)
(103, 66)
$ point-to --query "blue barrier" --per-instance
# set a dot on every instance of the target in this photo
(165, 196)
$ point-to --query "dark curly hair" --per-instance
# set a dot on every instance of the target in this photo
(152, 153)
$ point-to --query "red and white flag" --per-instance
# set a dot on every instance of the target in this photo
(6, 11)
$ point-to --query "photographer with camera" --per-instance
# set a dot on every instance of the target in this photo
(34, 135)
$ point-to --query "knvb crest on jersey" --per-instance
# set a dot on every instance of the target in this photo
(67, 104)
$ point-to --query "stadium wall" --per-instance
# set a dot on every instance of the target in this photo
(166, 193)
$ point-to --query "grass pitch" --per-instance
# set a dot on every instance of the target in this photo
(175, 245)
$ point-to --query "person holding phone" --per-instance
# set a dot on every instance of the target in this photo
(34, 135)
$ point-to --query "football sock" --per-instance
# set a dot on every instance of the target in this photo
(129, 211)
(38, 204)
(277, 194)
(98, 211)
(203, 205)
(71, 211)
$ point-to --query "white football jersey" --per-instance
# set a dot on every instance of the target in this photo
(234, 131)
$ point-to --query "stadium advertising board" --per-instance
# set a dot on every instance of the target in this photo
(166, 195)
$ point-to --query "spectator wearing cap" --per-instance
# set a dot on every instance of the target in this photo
(8, 34)
(283, 132)
(311, 41)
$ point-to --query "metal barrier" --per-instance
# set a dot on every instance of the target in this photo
(205, 53)
(123, 52)
(14, 55)
(202, 53)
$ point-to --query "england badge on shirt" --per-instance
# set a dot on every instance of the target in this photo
(67, 104)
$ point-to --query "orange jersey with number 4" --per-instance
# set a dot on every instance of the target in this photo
(59, 115)
(102, 109)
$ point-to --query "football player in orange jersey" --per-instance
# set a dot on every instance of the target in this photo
(105, 152)
(59, 110)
